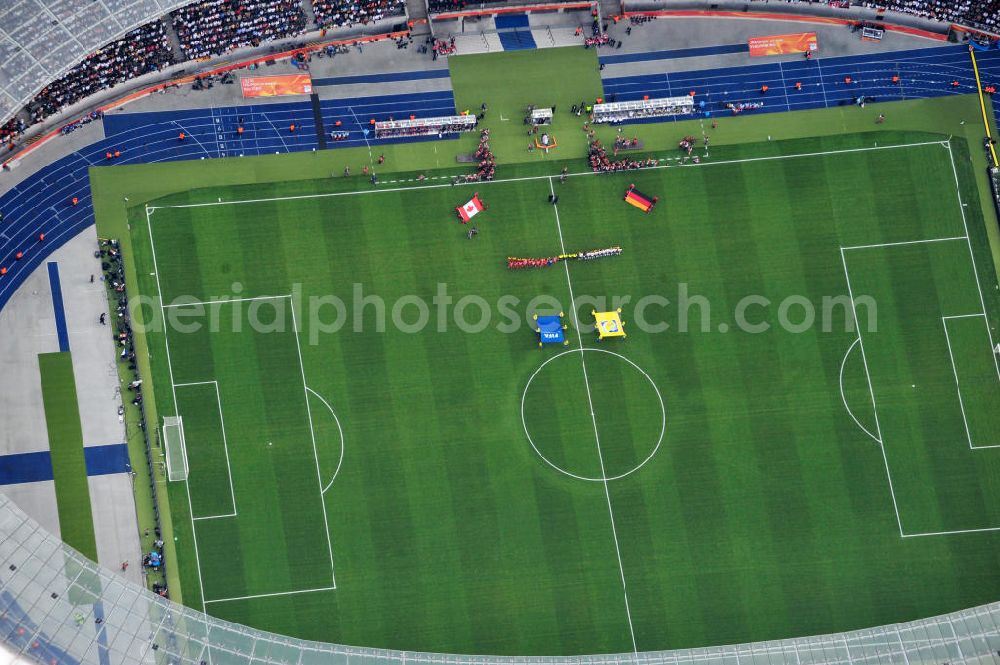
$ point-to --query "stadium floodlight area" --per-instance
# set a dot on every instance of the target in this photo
(40, 40)
(174, 448)
(42, 580)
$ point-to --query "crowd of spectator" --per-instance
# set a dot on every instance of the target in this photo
(141, 51)
(12, 130)
(435, 6)
(214, 27)
(983, 14)
(346, 13)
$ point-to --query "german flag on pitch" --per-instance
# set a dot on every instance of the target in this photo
(634, 197)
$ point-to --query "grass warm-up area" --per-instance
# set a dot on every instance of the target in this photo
(388, 477)
(502, 81)
(69, 468)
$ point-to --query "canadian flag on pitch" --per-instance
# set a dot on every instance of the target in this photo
(470, 209)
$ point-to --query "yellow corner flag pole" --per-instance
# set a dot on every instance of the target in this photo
(982, 106)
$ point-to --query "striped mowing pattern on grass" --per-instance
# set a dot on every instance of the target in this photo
(767, 510)
(69, 468)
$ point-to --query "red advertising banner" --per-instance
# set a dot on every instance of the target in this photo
(276, 86)
(798, 42)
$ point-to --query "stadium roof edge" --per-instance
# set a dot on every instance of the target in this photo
(40, 40)
(136, 622)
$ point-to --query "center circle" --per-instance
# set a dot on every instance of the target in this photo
(600, 425)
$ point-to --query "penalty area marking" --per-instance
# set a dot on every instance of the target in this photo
(843, 364)
(339, 429)
(603, 479)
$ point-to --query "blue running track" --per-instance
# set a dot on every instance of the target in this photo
(389, 77)
(923, 73)
(697, 52)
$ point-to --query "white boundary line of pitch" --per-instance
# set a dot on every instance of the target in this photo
(593, 420)
(173, 390)
(546, 177)
(305, 393)
(958, 383)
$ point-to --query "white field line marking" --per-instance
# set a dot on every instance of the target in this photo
(223, 301)
(312, 434)
(213, 517)
(843, 363)
(905, 242)
(225, 444)
(958, 383)
(187, 487)
(271, 595)
(339, 429)
(544, 177)
(656, 389)
(972, 256)
(949, 533)
(871, 390)
(593, 420)
(184, 448)
(958, 387)
(193, 383)
(170, 370)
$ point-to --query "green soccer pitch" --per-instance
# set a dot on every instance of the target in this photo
(447, 489)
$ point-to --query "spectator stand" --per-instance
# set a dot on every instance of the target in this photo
(215, 27)
(118, 102)
(452, 124)
(451, 9)
(798, 12)
(447, 17)
(344, 13)
(143, 50)
(620, 112)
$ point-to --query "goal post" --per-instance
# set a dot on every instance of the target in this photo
(174, 448)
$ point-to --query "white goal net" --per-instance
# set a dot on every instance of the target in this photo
(174, 449)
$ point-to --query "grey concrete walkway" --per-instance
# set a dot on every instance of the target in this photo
(115, 526)
(38, 500)
(91, 343)
(667, 34)
(27, 324)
